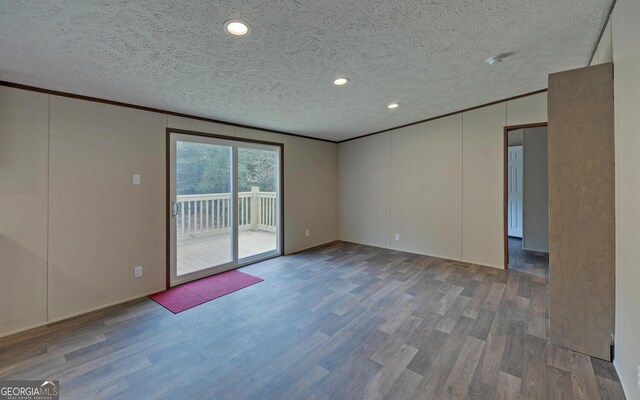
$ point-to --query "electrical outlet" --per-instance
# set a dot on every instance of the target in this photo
(638, 376)
(136, 179)
(137, 272)
(307, 232)
(397, 236)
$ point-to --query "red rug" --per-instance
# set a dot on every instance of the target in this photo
(189, 295)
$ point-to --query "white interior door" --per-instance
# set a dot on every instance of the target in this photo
(515, 184)
(225, 207)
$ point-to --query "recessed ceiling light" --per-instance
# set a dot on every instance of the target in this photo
(341, 81)
(393, 106)
(236, 27)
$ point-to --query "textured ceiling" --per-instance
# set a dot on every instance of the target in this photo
(427, 55)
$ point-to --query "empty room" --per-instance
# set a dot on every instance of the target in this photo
(319, 200)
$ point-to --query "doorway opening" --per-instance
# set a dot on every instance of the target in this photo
(224, 204)
(526, 199)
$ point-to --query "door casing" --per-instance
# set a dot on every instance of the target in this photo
(505, 187)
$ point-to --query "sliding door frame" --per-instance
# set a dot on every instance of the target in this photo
(251, 259)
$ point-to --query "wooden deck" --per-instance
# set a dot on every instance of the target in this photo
(203, 251)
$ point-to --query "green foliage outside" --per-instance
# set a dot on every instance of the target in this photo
(205, 169)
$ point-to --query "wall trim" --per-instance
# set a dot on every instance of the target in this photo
(448, 114)
(151, 109)
(505, 182)
(215, 121)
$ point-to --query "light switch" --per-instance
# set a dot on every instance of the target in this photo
(136, 179)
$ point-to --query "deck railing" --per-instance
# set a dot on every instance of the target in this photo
(209, 213)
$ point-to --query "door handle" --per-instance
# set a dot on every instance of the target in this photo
(174, 208)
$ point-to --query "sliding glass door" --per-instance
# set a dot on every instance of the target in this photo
(258, 201)
(224, 204)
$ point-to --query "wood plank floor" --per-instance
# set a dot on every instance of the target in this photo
(532, 262)
(342, 321)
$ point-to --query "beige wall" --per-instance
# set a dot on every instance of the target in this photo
(310, 182)
(515, 137)
(626, 58)
(364, 190)
(23, 209)
(536, 190)
(426, 194)
(619, 44)
(527, 110)
(604, 50)
(100, 225)
(76, 159)
(445, 189)
(483, 185)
